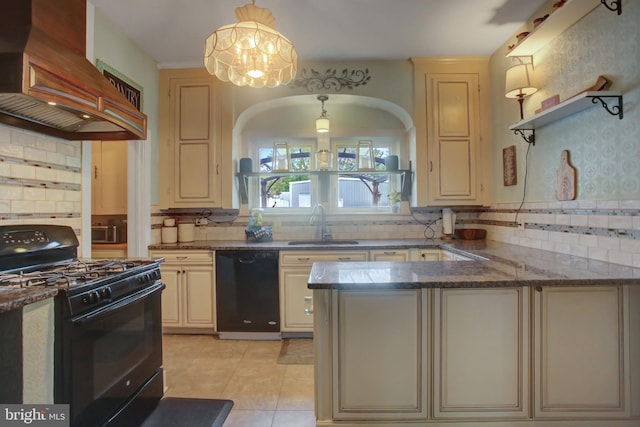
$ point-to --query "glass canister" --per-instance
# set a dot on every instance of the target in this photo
(324, 158)
(281, 157)
(365, 155)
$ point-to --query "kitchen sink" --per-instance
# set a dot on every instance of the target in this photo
(323, 242)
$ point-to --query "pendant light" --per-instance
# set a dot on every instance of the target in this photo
(322, 122)
(251, 52)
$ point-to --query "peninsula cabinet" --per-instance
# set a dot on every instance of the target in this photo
(188, 301)
(192, 127)
(378, 371)
(587, 352)
(476, 356)
(452, 130)
(296, 299)
(481, 338)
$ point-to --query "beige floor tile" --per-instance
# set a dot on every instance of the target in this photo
(243, 418)
(265, 394)
(293, 419)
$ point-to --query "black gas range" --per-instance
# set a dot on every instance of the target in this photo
(108, 333)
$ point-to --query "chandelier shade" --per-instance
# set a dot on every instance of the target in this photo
(251, 52)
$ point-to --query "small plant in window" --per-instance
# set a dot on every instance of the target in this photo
(394, 200)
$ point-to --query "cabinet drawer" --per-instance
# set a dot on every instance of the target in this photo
(308, 258)
(184, 256)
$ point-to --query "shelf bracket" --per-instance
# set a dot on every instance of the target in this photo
(529, 139)
(615, 110)
(616, 6)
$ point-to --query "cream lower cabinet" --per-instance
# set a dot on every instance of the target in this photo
(480, 352)
(378, 372)
(188, 301)
(583, 337)
(389, 255)
(296, 299)
(436, 255)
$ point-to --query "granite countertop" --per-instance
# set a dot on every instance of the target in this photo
(496, 264)
(284, 245)
(12, 298)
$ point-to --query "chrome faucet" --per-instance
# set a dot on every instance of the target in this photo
(324, 235)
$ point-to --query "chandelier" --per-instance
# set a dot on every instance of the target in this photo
(322, 122)
(251, 52)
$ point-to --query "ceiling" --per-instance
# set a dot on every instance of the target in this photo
(172, 32)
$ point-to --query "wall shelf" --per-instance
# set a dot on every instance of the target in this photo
(571, 106)
(555, 24)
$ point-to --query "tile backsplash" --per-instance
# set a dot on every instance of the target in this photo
(40, 179)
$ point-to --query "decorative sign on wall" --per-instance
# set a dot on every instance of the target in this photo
(509, 167)
(127, 87)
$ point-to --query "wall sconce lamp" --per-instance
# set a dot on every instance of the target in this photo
(322, 122)
(518, 84)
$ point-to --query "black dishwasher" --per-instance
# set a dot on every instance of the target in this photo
(247, 291)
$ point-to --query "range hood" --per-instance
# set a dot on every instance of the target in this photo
(46, 83)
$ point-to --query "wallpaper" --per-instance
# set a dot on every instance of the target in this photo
(603, 149)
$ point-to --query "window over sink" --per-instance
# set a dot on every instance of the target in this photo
(342, 189)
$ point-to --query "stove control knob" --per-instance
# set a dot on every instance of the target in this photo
(105, 293)
(92, 298)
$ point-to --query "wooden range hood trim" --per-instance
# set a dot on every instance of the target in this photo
(47, 71)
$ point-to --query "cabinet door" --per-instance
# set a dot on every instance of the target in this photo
(195, 171)
(480, 348)
(428, 254)
(378, 369)
(109, 185)
(580, 352)
(453, 136)
(294, 290)
(389, 255)
(199, 296)
(171, 301)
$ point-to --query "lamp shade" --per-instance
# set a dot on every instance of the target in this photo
(518, 81)
(251, 52)
(322, 124)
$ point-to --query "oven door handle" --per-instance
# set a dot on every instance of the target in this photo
(121, 304)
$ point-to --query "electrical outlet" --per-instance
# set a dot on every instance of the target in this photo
(202, 221)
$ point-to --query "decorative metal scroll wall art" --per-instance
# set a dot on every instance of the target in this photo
(331, 79)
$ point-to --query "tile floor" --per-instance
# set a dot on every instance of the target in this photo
(264, 393)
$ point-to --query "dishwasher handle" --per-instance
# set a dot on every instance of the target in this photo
(246, 260)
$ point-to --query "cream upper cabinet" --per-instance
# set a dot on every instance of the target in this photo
(452, 130)
(193, 124)
(109, 177)
(481, 337)
(582, 341)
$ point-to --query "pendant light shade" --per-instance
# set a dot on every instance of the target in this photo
(251, 52)
(322, 123)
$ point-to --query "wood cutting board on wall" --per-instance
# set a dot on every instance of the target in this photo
(565, 178)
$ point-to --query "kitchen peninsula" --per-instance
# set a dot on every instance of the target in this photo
(515, 337)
